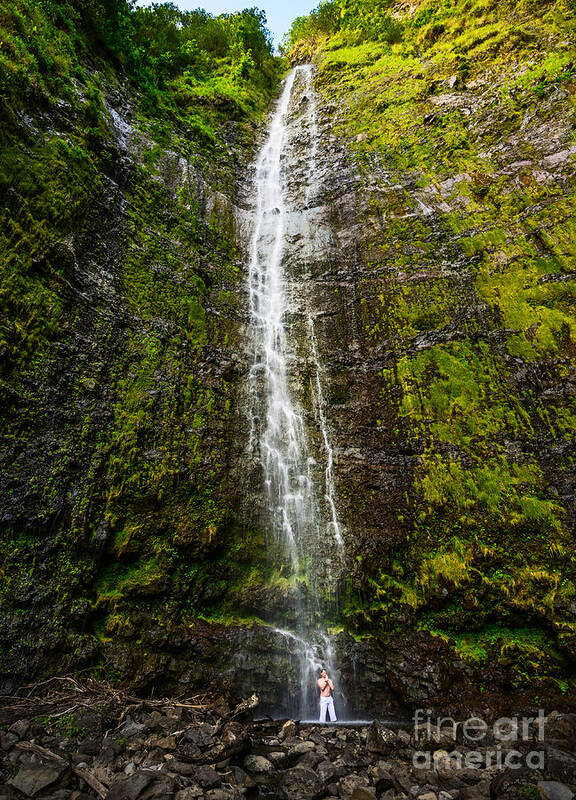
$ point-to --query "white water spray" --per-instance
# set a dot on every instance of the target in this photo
(312, 655)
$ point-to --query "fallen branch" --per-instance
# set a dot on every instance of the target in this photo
(85, 774)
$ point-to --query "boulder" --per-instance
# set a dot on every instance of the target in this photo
(207, 777)
(166, 743)
(401, 779)
(20, 728)
(131, 728)
(162, 788)
(380, 739)
(300, 783)
(278, 758)
(449, 779)
(7, 740)
(559, 727)
(328, 772)
(404, 738)
(190, 793)
(506, 784)
(258, 765)
(349, 784)
(310, 760)
(301, 749)
(237, 777)
(554, 790)
(131, 787)
(33, 777)
(559, 765)
(383, 784)
(234, 741)
(200, 735)
(89, 747)
(363, 793)
(288, 730)
(181, 767)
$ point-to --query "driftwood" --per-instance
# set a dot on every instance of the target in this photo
(63, 695)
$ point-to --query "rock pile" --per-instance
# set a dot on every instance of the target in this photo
(175, 752)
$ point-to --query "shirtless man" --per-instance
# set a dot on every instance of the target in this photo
(326, 701)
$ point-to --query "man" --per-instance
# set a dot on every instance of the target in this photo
(326, 701)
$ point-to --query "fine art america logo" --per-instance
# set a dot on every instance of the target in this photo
(506, 743)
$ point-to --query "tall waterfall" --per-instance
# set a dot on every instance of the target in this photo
(301, 509)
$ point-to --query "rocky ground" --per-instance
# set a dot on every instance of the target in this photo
(92, 742)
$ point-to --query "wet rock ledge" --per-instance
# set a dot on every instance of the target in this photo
(121, 748)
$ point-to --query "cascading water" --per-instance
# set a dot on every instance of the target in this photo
(304, 520)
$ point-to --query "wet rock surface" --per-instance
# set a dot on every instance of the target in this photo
(141, 751)
(131, 509)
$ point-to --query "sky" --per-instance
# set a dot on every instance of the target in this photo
(279, 13)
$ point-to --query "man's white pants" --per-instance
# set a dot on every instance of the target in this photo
(327, 705)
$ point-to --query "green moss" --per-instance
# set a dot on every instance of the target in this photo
(119, 579)
(466, 293)
(111, 275)
(458, 393)
(483, 645)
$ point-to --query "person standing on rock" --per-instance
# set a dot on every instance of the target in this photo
(326, 700)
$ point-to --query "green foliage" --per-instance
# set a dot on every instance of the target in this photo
(63, 725)
(351, 18)
(127, 486)
(467, 295)
(160, 47)
(119, 579)
(190, 48)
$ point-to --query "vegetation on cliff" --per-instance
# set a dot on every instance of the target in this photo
(119, 296)
(465, 112)
(125, 134)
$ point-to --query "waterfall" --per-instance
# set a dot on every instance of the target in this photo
(301, 515)
(282, 442)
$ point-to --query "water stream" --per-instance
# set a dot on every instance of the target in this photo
(306, 535)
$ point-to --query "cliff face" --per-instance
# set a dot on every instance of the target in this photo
(448, 332)
(122, 285)
(434, 256)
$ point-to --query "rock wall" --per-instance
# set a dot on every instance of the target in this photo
(434, 255)
(447, 346)
(123, 294)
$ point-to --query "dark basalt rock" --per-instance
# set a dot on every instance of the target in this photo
(131, 787)
(207, 777)
(34, 778)
(560, 765)
(147, 766)
(380, 739)
(300, 782)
